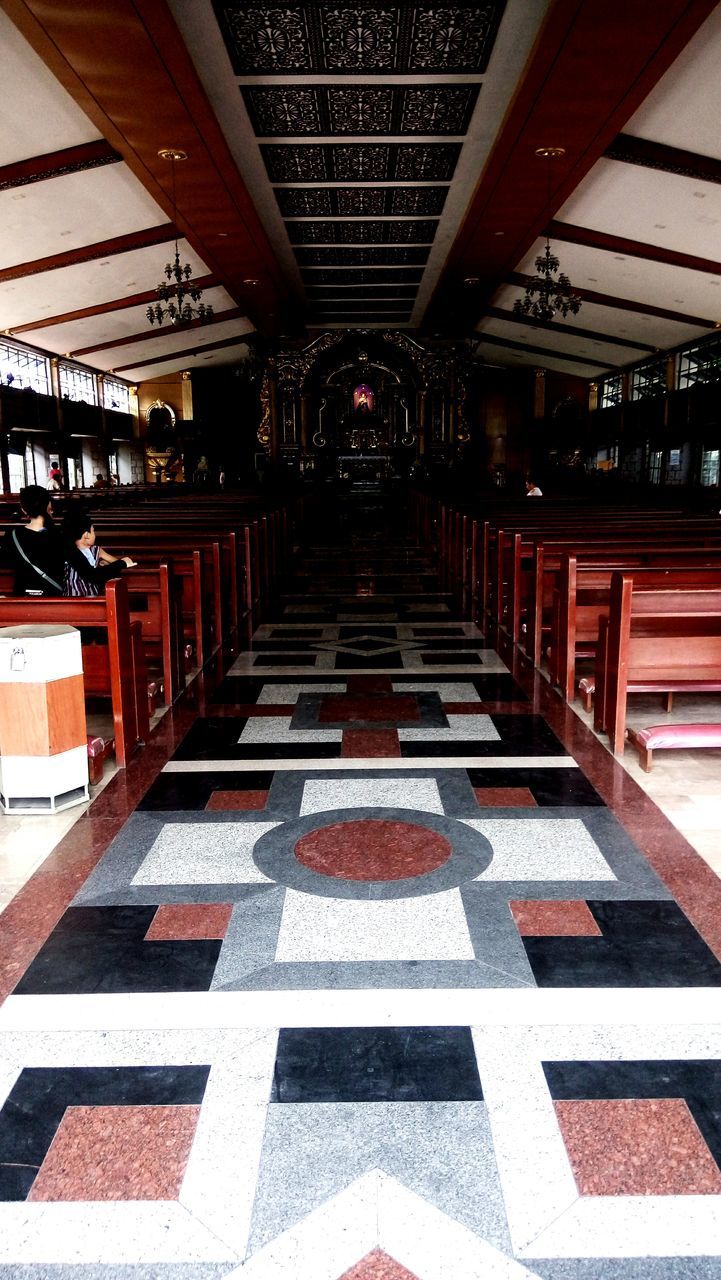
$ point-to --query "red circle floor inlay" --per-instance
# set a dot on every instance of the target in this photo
(373, 849)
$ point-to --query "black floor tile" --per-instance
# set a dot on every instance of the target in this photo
(371, 1064)
(37, 1102)
(644, 944)
(95, 950)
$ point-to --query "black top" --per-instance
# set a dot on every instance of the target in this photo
(37, 557)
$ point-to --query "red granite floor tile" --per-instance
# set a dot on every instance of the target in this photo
(261, 709)
(339, 707)
(505, 797)
(362, 686)
(553, 919)
(377, 1265)
(181, 921)
(636, 1147)
(35, 910)
(372, 849)
(221, 800)
(358, 743)
(462, 708)
(118, 1153)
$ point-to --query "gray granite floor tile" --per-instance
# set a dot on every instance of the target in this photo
(442, 1151)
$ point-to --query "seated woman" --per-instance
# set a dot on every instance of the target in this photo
(87, 566)
(35, 550)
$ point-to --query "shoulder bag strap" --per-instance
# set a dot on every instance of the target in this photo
(34, 567)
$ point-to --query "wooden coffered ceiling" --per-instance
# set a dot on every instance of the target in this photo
(360, 165)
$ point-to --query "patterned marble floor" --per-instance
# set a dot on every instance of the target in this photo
(374, 966)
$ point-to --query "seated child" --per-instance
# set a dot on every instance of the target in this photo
(87, 566)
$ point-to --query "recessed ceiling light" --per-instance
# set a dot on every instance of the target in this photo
(251, 281)
(499, 233)
(471, 281)
(618, 259)
(679, 299)
(592, 279)
(660, 226)
(699, 195)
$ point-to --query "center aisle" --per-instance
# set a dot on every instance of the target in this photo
(383, 977)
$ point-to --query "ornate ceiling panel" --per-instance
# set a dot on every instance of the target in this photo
(368, 38)
(373, 162)
(359, 202)
(360, 276)
(400, 231)
(294, 111)
(362, 257)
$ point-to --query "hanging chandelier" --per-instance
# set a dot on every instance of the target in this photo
(179, 298)
(548, 293)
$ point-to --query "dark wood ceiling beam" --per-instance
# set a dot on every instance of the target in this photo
(90, 252)
(655, 155)
(169, 356)
(624, 304)
(125, 63)
(104, 308)
(541, 351)
(148, 335)
(574, 331)
(618, 245)
(57, 164)
(594, 63)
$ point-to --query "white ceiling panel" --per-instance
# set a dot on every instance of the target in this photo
(37, 116)
(648, 331)
(108, 327)
(647, 205)
(52, 293)
(655, 283)
(147, 348)
(495, 355)
(228, 355)
(595, 351)
(685, 107)
(76, 209)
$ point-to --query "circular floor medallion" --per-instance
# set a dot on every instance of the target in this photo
(373, 849)
(373, 853)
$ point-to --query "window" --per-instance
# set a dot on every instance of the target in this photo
(655, 458)
(16, 467)
(700, 363)
(22, 368)
(30, 471)
(649, 379)
(116, 395)
(77, 384)
(710, 466)
(611, 391)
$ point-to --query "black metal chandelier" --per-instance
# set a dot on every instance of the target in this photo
(179, 298)
(548, 293)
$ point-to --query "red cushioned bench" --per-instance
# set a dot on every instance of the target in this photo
(658, 736)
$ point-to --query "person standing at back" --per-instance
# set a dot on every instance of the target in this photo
(35, 551)
(532, 490)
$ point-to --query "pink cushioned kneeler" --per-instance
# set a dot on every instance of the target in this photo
(657, 736)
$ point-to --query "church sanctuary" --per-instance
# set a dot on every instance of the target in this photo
(360, 640)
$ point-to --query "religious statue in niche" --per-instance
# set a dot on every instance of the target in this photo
(363, 399)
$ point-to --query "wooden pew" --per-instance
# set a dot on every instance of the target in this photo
(654, 639)
(583, 596)
(116, 668)
(154, 603)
